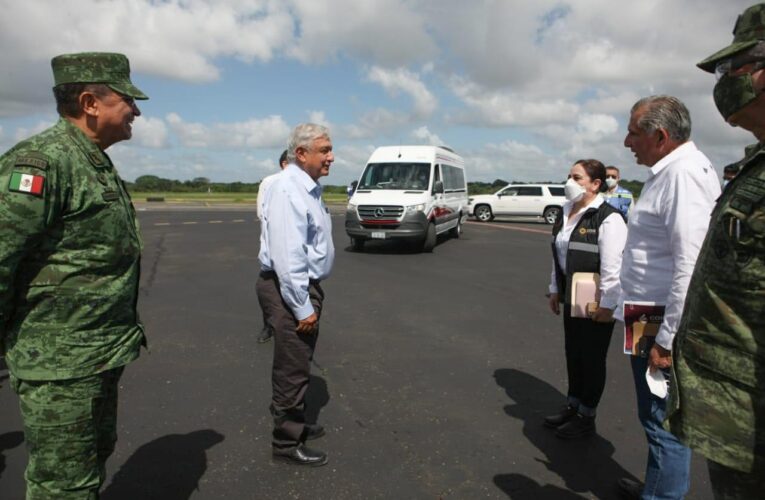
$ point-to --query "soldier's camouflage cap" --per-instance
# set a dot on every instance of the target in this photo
(748, 31)
(109, 68)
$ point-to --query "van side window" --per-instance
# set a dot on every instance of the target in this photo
(454, 179)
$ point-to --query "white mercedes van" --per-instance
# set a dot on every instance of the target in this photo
(408, 192)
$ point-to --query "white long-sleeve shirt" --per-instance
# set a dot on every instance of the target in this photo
(296, 237)
(612, 235)
(666, 229)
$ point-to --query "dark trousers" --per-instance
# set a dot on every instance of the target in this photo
(70, 428)
(292, 360)
(586, 350)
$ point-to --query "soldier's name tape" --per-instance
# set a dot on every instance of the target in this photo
(27, 183)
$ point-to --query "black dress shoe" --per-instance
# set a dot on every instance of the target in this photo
(579, 426)
(560, 418)
(265, 334)
(301, 455)
(313, 431)
(629, 488)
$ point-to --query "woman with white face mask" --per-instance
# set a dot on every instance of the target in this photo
(589, 238)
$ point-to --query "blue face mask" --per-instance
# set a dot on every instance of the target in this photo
(725, 183)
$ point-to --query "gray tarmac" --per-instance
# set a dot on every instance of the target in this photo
(431, 375)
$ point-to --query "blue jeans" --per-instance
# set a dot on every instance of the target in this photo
(667, 475)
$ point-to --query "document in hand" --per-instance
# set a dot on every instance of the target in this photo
(641, 324)
(585, 294)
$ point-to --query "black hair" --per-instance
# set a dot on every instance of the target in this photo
(283, 158)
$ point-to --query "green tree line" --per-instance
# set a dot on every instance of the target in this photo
(155, 184)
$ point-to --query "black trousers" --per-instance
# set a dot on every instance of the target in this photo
(586, 350)
(292, 360)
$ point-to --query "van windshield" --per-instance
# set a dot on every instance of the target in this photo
(409, 176)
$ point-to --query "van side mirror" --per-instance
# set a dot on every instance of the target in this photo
(438, 187)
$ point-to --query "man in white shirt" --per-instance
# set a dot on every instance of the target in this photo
(268, 331)
(296, 254)
(665, 232)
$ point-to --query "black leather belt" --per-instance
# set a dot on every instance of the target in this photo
(267, 275)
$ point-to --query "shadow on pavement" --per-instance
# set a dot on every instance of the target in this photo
(8, 441)
(168, 468)
(316, 398)
(520, 487)
(585, 465)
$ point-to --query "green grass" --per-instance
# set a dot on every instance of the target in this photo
(219, 197)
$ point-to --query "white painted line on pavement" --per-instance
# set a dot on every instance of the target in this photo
(511, 228)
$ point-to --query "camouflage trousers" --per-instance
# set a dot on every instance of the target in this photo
(732, 484)
(70, 428)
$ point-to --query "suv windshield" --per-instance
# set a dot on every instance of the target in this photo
(412, 176)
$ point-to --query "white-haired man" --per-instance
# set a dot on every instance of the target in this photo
(296, 253)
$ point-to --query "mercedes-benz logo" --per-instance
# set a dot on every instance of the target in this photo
(379, 212)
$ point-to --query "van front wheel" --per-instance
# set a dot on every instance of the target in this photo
(430, 238)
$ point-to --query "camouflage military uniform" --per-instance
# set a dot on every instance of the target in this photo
(717, 406)
(69, 269)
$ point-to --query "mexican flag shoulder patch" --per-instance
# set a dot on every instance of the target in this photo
(27, 183)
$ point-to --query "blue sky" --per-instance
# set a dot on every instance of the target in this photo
(521, 89)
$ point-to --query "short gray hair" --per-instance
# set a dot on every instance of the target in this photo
(667, 112)
(303, 136)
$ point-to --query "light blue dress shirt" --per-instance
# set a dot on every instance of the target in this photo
(296, 237)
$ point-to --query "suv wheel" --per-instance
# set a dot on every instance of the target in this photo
(483, 213)
(551, 214)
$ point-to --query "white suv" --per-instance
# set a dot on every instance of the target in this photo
(538, 200)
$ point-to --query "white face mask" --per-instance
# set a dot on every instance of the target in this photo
(573, 190)
(611, 182)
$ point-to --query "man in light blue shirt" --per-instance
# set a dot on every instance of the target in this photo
(296, 253)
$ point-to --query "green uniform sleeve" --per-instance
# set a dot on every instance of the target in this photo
(27, 196)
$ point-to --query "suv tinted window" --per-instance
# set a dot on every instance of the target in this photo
(556, 191)
(513, 191)
(530, 191)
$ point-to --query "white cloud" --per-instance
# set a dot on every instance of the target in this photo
(502, 108)
(319, 117)
(389, 32)
(271, 132)
(376, 123)
(150, 132)
(510, 160)
(178, 39)
(25, 132)
(402, 80)
(424, 135)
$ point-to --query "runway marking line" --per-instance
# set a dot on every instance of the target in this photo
(161, 223)
(215, 222)
(236, 221)
(510, 228)
(188, 223)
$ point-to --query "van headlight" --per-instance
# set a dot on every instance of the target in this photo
(415, 208)
(350, 207)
